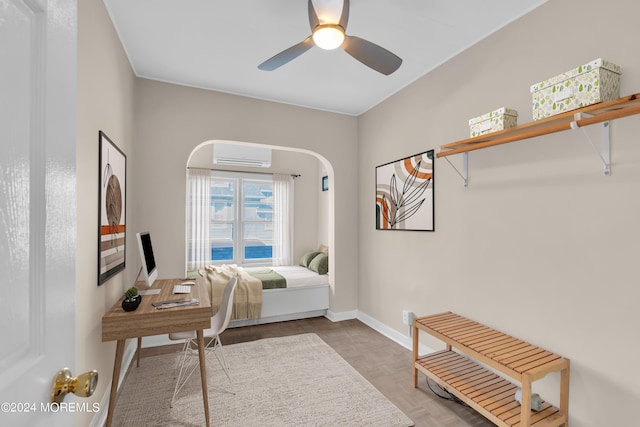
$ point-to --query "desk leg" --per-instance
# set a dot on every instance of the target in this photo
(138, 352)
(203, 375)
(117, 365)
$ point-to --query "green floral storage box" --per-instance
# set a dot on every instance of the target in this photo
(596, 81)
(499, 119)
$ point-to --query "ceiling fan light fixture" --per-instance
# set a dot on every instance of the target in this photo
(332, 35)
(328, 36)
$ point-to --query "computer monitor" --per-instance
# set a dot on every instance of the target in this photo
(146, 257)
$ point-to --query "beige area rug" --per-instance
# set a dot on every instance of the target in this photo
(290, 381)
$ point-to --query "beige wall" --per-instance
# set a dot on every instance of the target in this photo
(307, 233)
(105, 102)
(541, 244)
(324, 209)
(172, 120)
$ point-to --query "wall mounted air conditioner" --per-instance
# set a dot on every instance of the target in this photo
(241, 155)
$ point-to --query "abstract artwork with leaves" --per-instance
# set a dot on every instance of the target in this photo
(112, 229)
(404, 194)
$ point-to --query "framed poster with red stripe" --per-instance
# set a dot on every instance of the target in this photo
(113, 196)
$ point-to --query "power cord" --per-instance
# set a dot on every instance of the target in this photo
(447, 394)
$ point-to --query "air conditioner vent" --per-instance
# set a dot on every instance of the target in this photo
(241, 155)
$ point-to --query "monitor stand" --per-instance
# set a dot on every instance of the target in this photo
(148, 291)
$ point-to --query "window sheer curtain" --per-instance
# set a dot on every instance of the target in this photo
(282, 219)
(198, 238)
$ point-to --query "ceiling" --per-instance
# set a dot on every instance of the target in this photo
(218, 45)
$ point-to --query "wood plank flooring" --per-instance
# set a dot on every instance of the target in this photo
(384, 363)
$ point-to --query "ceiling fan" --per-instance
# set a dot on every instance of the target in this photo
(333, 35)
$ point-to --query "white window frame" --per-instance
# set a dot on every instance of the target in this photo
(239, 222)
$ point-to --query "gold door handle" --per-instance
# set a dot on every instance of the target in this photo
(83, 385)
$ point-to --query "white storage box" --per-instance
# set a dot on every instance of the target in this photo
(596, 81)
(499, 119)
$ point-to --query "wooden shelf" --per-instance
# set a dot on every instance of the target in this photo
(597, 113)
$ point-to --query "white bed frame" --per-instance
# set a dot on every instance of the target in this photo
(278, 305)
(283, 304)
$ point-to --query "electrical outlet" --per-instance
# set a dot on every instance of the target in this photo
(407, 317)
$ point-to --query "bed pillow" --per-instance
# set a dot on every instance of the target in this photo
(307, 258)
(319, 264)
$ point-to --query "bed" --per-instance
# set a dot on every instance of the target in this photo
(306, 295)
(302, 292)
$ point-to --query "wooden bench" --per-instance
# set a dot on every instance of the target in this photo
(480, 388)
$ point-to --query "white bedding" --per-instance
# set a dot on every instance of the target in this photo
(298, 276)
(306, 295)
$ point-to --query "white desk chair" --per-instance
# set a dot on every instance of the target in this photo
(219, 323)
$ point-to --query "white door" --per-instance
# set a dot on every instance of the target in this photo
(37, 206)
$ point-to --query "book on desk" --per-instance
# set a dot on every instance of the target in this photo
(181, 302)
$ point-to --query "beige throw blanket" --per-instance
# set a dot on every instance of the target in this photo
(247, 300)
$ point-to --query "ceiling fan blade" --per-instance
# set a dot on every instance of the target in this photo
(344, 18)
(314, 21)
(287, 55)
(372, 55)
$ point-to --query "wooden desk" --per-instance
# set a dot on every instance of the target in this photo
(119, 325)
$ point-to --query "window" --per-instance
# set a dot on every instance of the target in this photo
(223, 214)
(241, 219)
(257, 219)
(232, 218)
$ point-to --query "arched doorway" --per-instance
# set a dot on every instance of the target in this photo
(314, 206)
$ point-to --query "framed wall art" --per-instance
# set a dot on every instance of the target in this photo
(405, 194)
(112, 209)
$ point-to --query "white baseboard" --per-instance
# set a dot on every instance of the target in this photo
(343, 315)
(158, 340)
(100, 419)
(385, 330)
(404, 340)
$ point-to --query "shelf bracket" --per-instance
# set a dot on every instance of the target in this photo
(465, 168)
(605, 153)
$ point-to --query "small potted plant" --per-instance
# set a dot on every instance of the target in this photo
(131, 299)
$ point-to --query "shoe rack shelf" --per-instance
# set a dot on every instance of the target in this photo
(465, 372)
